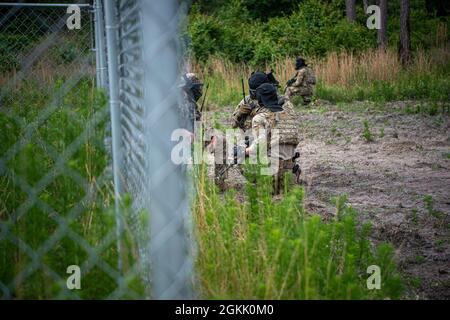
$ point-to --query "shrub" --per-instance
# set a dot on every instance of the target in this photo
(259, 32)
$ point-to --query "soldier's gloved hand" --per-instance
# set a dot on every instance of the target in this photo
(245, 109)
(238, 154)
(290, 82)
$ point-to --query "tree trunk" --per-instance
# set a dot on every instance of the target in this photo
(366, 4)
(405, 42)
(350, 10)
(382, 33)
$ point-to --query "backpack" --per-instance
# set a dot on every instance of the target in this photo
(310, 77)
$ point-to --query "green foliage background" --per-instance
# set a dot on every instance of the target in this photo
(257, 32)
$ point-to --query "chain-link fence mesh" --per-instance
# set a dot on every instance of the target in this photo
(148, 99)
(128, 228)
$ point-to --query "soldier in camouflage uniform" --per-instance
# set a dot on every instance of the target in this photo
(302, 83)
(241, 118)
(242, 114)
(192, 89)
(190, 112)
(269, 115)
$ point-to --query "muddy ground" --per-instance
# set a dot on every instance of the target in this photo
(397, 176)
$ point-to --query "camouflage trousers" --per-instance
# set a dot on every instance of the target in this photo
(283, 177)
(218, 170)
(305, 92)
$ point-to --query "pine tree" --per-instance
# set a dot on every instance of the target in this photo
(382, 33)
(350, 10)
(405, 41)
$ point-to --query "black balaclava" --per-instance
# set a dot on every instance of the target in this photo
(267, 97)
(193, 87)
(256, 79)
(300, 62)
(196, 90)
(272, 78)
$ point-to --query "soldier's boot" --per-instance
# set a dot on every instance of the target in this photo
(220, 175)
(306, 100)
(283, 177)
(276, 185)
(296, 169)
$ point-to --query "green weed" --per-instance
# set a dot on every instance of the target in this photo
(366, 134)
(429, 206)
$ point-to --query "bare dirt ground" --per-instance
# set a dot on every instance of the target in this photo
(400, 180)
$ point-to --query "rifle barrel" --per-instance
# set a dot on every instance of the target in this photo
(243, 89)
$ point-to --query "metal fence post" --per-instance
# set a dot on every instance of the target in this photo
(100, 44)
(170, 222)
(111, 45)
(96, 37)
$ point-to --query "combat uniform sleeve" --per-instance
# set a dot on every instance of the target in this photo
(242, 110)
(236, 110)
(299, 78)
(260, 128)
(288, 106)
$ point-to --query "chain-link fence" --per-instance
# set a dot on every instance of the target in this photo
(60, 203)
(146, 101)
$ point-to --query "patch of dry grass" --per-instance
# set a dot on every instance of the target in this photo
(342, 70)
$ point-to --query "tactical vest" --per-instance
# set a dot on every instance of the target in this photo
(284, 122)
(287, 128)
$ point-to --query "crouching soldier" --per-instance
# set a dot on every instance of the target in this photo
(241, 117)
(270, 115)
(192, 89)
(302, 83)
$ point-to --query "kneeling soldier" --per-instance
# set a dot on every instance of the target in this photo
(302, 83)
(270, 115)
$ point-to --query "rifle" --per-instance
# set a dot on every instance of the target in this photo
(236, 151)
(289, 83)
(272, 79)
(242, 118)
(243, 89)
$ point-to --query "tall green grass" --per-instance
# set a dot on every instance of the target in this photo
(37, 228)
(266, 249)
(432, 87)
